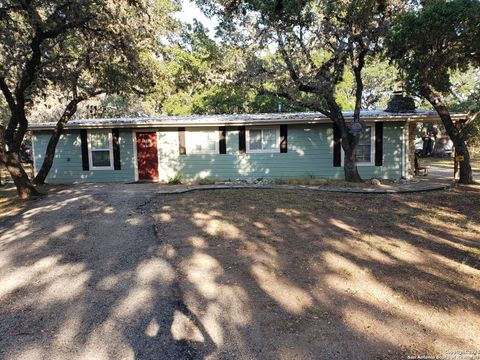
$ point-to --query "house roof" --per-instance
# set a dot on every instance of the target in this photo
(238, 119)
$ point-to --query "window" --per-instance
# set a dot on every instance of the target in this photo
(365, 148)
(263, 140)
(100, 150)
(201, 141)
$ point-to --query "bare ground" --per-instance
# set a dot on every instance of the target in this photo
(81, 277)
(303, 275)
(87, 273)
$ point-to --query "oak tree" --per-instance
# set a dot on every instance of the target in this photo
(76, 48)
(314, 41)
(429, 44)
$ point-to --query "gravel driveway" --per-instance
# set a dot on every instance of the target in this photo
(82, 276)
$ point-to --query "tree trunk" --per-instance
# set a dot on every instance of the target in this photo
(456, 168)
(457, 136)
(350, 164)
(466, 176)
(70, 110)
(49, 157)
(349, 142)
(25, 189)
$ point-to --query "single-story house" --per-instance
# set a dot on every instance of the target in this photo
(226, 147)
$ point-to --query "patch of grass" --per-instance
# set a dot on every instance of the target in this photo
(175, 180)
(272, 269)
(407, 267)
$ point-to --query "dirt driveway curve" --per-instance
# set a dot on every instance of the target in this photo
(82, 277)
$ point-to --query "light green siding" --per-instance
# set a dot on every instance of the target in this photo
(310, 153)
(67, 166)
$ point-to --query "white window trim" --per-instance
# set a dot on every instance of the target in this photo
(268, 151)
(372, 149)
(189, 141)
(110, 149)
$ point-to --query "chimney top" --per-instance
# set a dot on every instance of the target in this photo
(400, 104)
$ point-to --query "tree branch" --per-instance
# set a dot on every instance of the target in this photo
(291, 68)
(471, 117)
(7, 94)
(357, 70)
(286, 95)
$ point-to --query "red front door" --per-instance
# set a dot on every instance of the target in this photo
(147, 156)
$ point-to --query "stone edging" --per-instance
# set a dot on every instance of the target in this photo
(186, 189)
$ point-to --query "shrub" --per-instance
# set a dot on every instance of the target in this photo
(175, 180)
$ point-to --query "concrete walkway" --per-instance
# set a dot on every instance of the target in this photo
(439, 178)
(443, 173)
(421, 186)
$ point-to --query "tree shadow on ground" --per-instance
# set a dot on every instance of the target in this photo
(329, 276)
(82, 278)
(239, 274)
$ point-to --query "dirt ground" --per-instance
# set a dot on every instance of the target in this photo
(9, 202)
(115, 271)
(81, 277)
(302, 275)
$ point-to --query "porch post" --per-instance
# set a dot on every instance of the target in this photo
(412, 127)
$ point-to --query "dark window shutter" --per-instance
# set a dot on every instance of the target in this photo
(222, 139)
(337, 146)
(242, 141)
(283, 138)
(181, 141)
(116, 149)
(84, 146)
(378, 143)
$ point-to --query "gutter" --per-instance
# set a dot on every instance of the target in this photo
(198, 123)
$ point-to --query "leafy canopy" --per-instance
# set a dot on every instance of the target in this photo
(432, 43)
(79, 48)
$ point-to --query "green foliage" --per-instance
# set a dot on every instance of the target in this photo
(197, 75)
(4, 111)
(175, 180)
(380, 79)
(306, 51)
(86, 47)
(440, 38)
(465, 97)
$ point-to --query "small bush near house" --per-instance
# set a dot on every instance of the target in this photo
(175, 180)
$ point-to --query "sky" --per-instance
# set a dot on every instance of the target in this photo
(191, 11)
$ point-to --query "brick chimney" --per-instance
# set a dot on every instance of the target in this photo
(400, 104)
